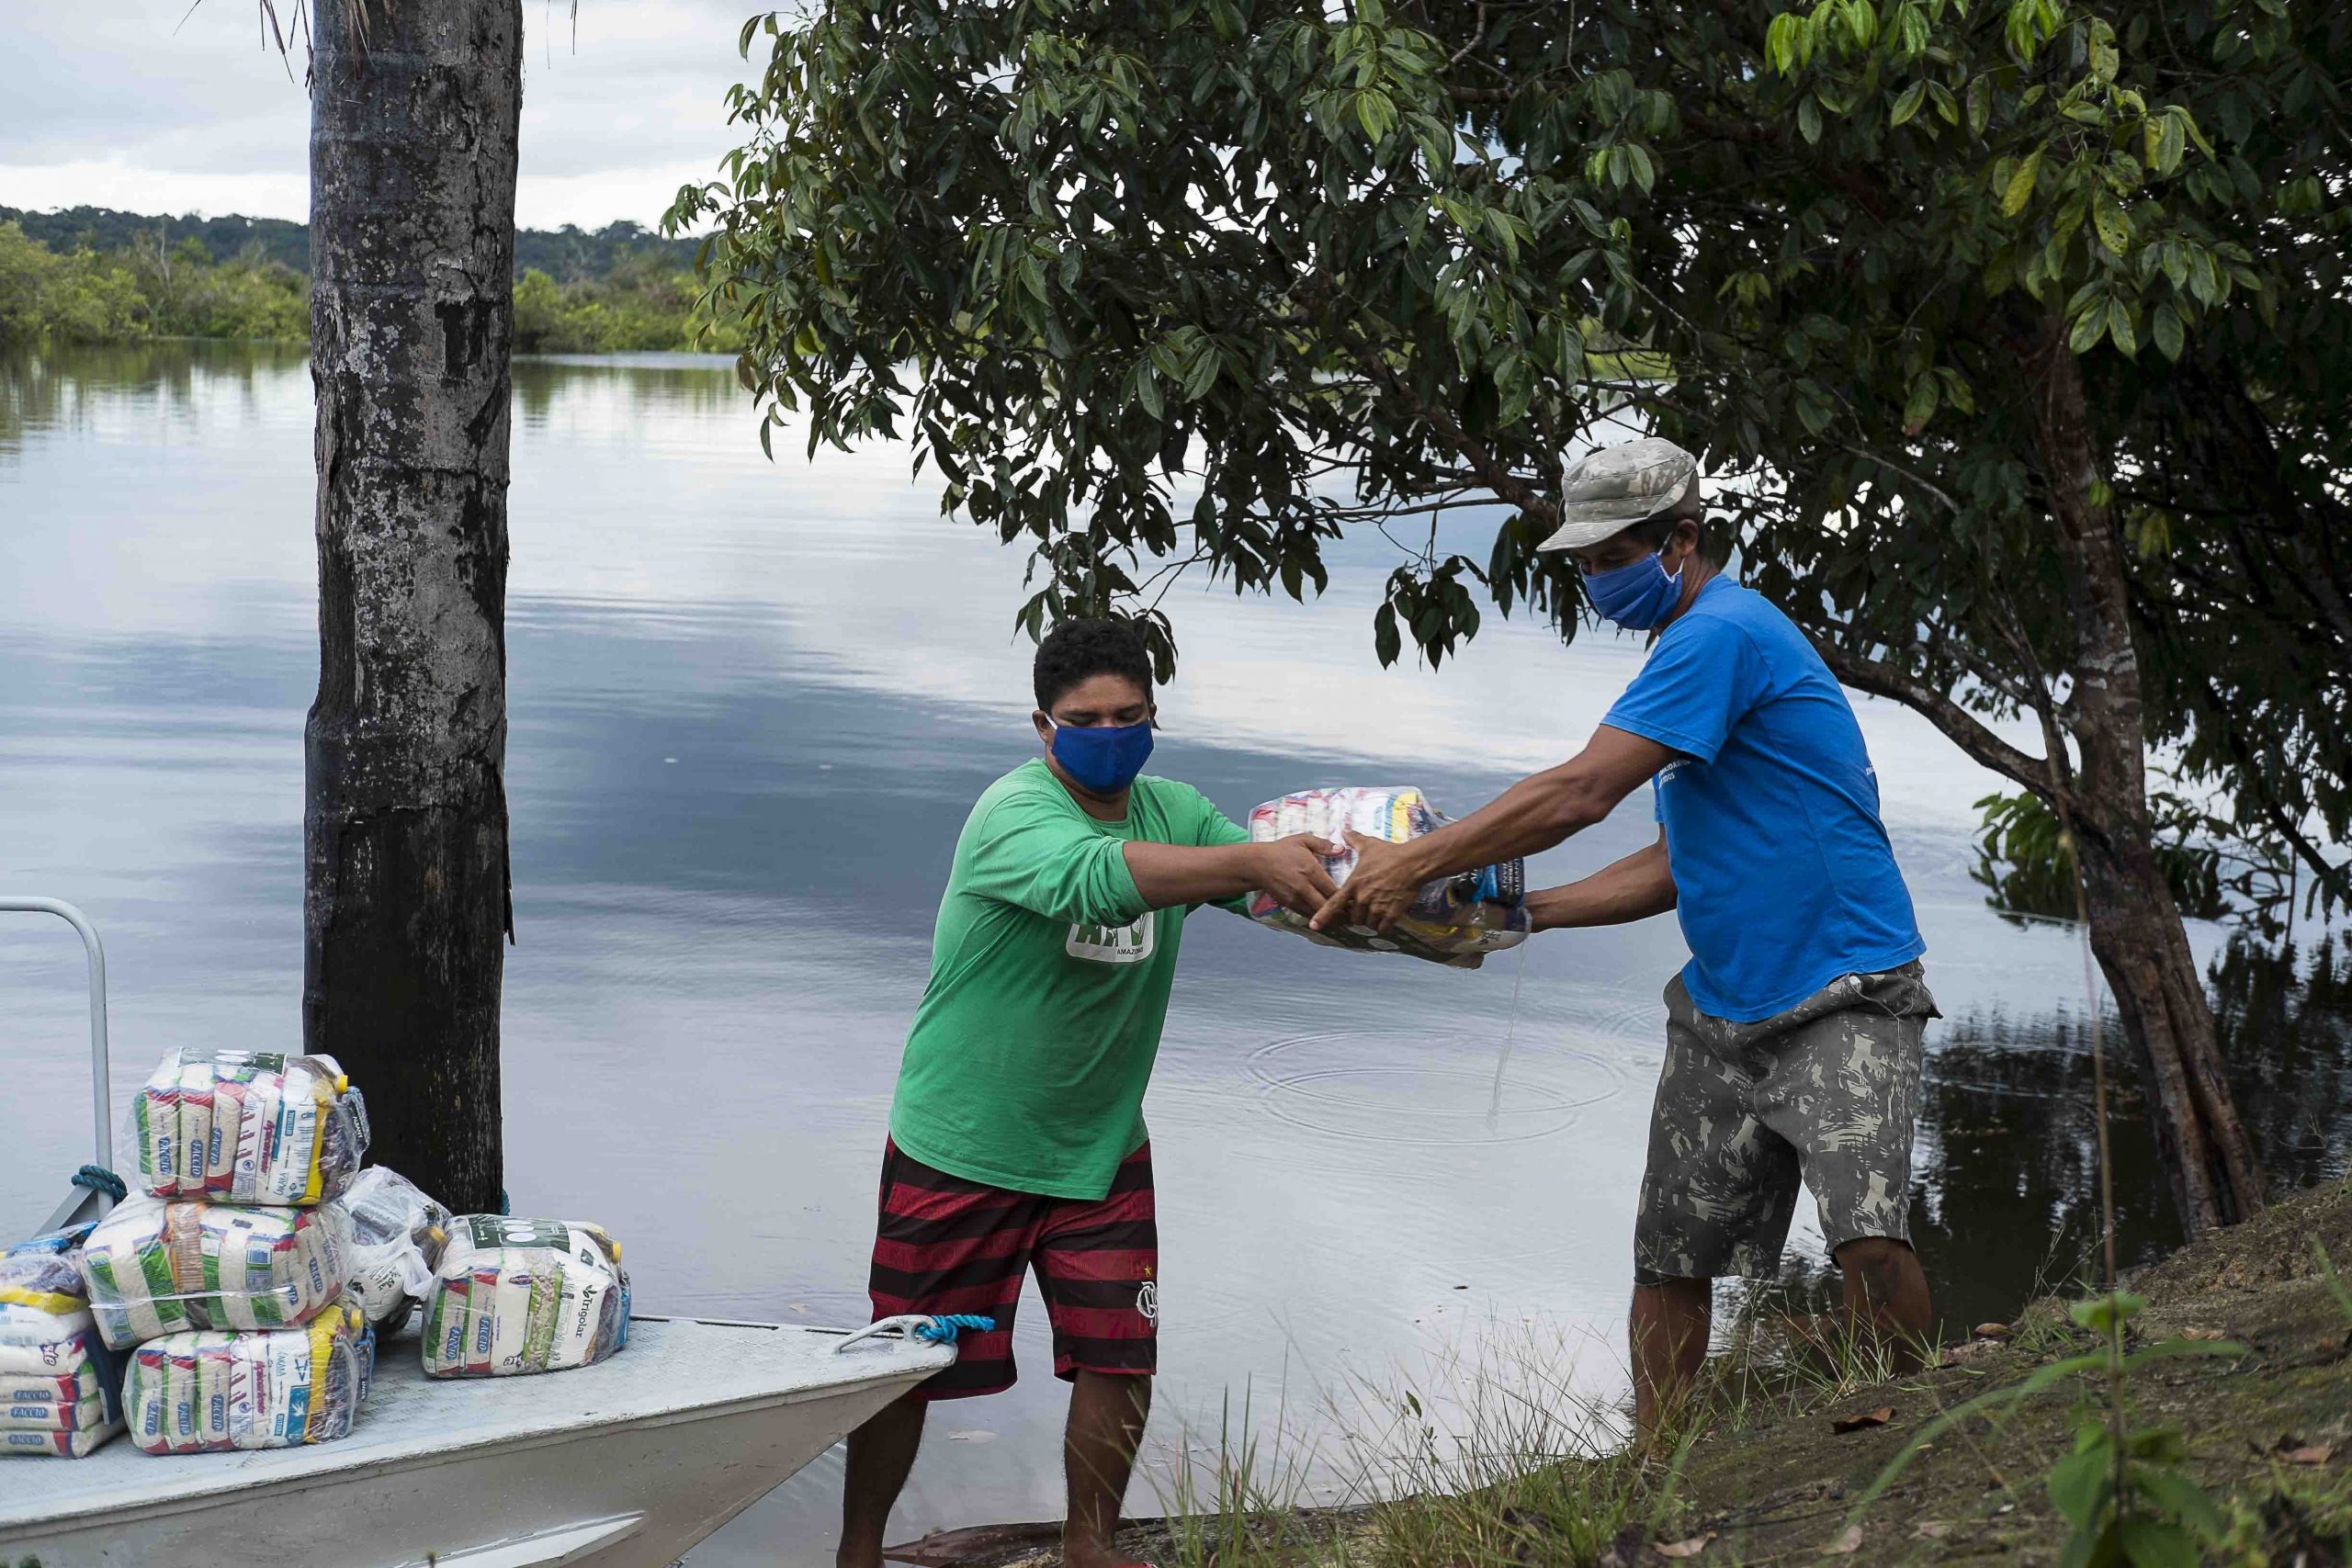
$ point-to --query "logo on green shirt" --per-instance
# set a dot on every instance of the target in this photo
(1111, 944)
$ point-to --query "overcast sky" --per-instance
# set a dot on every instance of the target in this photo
(120, 102)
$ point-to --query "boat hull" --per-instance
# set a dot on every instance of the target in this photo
(622, 1466)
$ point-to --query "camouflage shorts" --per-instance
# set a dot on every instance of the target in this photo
(1825, 1091)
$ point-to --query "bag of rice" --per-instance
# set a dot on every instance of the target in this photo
(397, 1235)
(214, 1392)
(58, 1380)
(515, 1297)
(247, 1127)
(155, 1268)
(1456, 921)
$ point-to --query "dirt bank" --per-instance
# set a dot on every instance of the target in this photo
(1768, 1479)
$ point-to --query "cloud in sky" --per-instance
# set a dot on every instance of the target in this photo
(125, 105)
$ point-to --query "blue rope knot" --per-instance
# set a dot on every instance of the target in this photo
(99, 1179)
(941, 1329)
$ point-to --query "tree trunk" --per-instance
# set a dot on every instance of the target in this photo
(406, 900)
(2136, 930)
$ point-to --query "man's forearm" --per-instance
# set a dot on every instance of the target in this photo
(1168, 875)
(1635, 888)
(1527, 819)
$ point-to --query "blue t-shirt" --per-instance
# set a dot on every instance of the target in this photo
(1781, 867)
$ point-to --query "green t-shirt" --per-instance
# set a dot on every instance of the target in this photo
(1027, 1060)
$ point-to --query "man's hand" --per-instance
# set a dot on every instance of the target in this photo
(1379, 890)
(1292, 873)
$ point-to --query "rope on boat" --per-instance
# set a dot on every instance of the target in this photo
(99, 1179)
(940, 1330)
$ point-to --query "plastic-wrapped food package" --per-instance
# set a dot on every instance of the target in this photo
(58, 1380)
(1456, 921)
(248, 1127)
(210, 1392)
(156, 1268)
(515, 1297)
(397, 1235)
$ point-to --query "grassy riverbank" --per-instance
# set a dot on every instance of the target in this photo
(2256, 1381)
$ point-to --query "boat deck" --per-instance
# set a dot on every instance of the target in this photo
(673, 1369)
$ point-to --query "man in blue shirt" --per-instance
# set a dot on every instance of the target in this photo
(1793, 1034)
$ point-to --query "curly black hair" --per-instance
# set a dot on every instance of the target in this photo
(1079, 651)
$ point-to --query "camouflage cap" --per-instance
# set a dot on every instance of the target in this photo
(1612, 487)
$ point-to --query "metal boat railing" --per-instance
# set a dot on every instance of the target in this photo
(83, 1203)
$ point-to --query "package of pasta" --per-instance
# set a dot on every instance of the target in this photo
(58, 1380)
(1455, 921)
(397, 1235)
(247, 1127)
(514, 1296)
(201, 1391)
(155, 1268)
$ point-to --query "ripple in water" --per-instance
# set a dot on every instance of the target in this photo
(1418, 1088)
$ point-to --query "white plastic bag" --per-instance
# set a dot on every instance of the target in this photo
(1455, 920)
(397, 1235)
(515, 1297)
(58, 1381)
(155, 1268)
(214, 1392)
(247, 1127)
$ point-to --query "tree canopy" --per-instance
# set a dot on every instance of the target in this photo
(2013, 335)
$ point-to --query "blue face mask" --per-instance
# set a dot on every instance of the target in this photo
(1104, 759)
(1638, 596)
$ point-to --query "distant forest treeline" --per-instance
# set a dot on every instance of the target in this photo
(91, 275)
(568, 254)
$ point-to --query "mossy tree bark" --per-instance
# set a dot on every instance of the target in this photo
(407, 901)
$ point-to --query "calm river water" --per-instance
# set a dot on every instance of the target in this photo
(751, 704)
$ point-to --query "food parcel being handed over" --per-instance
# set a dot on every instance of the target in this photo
(1456, 921)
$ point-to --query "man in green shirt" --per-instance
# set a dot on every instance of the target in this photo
(1017, 1136)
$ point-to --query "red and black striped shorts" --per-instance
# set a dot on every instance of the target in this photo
(947, 1244)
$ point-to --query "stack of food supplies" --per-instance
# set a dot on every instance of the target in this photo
(202, 1391)
(58, 1380)
(230, 1274)
(1455, 920)
(514, 1296)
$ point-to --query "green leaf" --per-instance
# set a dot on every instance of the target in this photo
(1644, 171)
(2020, 190)
(1386, 642)
(1921, 407)
(1809, 120)
(1980, 105)
(2080, 1482)
(2165, 328)
(2114, 228)
(2155, 1543)
(2183, 1500)
(2088, 327)
(1908, 104)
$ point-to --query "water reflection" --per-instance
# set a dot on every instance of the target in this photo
(751, 705)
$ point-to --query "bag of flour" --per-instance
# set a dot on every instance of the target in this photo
(247, 1127)
(1456, 921)
(58, 1380)
(515, 1297)
(155, 1268)
(397, 1235)
(214, 1392)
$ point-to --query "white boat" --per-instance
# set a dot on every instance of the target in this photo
(624, 1464)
